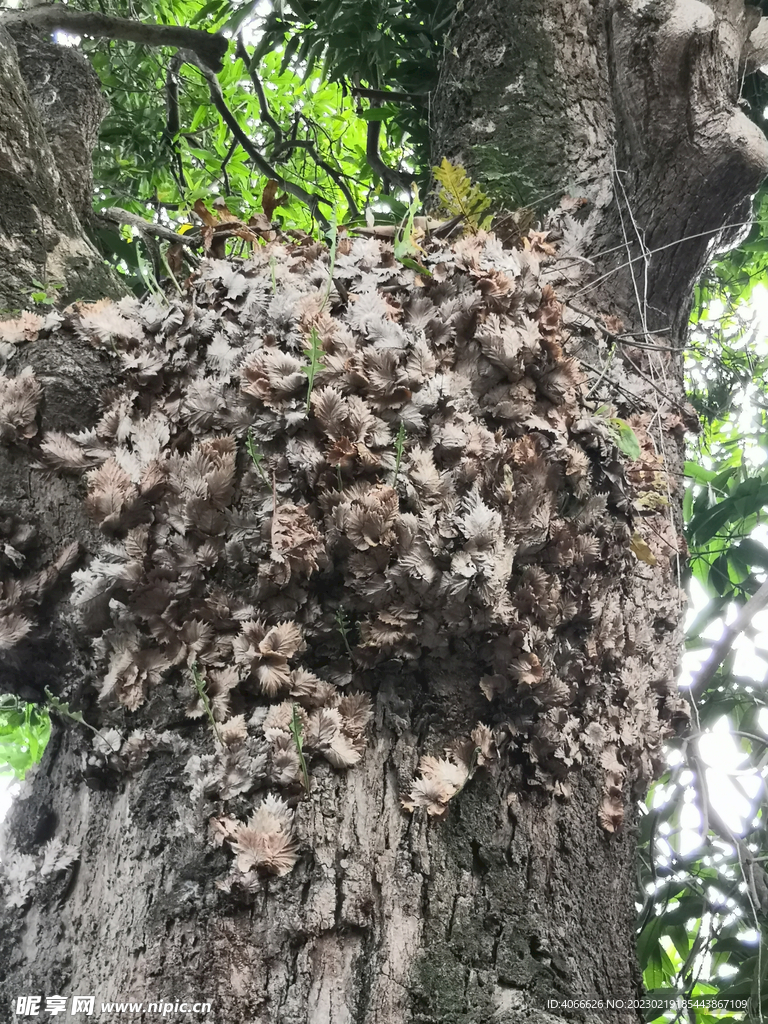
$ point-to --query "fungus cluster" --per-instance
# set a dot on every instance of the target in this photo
(310, 469)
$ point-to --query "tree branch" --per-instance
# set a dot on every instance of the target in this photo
(173, 123)
(230, 153)
(331, 171)
(383, 94)
(309, 146)
(266, 113)
(386, 173)
(753, 873)
(146, 227)
(722, 648)
(310, 199)
(210, 47)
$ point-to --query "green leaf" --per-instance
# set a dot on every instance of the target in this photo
(687, 503)
(761, 245)
(696, 472)
(413, 265)
(718, 574)
(212, 9)
(232, 24)
(379, 113)
(290, 49)
(752, 552)
(626, 439)
(457, 195)
(313, 353)
(25, 730)
(200, 115)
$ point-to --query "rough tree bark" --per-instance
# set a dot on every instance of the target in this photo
(47, 135)
(634, 105)
(525, 891)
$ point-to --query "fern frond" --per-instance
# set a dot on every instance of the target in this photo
(457, 195)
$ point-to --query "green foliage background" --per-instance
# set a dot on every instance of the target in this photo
(24, 733)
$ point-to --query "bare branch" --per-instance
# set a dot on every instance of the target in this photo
(230, 153)
(387, 174)
(649, 380)
(146, 227)
(310, 199)
(331, 171)
(722, 648)
(266, 113)
(626, 338)
(173, 123)
(210, 47)
(429, 225)
(753, 873)
(337, 176)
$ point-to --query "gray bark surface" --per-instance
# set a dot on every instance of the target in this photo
(633, 105)
(41, 238)
(67, 94)
(482, 918)
(518, 896)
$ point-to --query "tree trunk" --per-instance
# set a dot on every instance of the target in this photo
(46, 140)
(633, 105)
(516, 892)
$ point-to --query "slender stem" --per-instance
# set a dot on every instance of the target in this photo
(266, 114)
(722, 648)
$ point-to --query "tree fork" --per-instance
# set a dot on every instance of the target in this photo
(628, 104)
